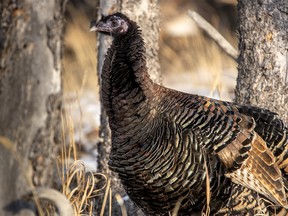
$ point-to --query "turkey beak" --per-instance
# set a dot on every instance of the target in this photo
(93, 26)
(100, 26)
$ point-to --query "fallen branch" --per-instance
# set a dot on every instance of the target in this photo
(214, 34)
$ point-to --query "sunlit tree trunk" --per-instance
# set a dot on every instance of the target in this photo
(263, 61)
(30, 91)
(263, 65)
(146, 14)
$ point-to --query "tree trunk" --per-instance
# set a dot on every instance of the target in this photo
(30, 91)
(146, 14)
(263, 71)
(263, 61)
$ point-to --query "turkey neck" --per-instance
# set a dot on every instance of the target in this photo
(128, 83)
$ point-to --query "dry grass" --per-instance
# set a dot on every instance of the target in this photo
(84, 189)
(195, 54)
(122, 204)
(208, 191)
(79, 61)
(38, 194)
(81, 187)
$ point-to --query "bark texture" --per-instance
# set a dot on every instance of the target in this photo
(30, 90)
(263, 61)
(146, 14)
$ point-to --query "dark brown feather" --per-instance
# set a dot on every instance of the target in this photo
(163, 139)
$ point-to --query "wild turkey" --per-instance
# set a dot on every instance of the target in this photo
(166, 143)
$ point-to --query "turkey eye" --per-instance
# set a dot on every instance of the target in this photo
(114, 22)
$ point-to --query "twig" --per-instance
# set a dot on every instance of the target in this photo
(120, 201)
(105, 197)
(214, 34)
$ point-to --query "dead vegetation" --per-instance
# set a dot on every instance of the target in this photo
(190, 61)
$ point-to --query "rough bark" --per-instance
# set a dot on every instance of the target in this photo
(263, 61)
(30, 90)
(146, 14)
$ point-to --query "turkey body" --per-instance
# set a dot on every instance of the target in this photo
(170, 147)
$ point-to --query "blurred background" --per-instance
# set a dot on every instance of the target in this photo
(190, 61)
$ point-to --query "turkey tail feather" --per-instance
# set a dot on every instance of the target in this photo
(261, 173)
